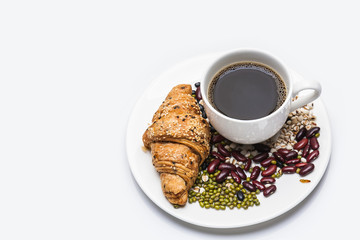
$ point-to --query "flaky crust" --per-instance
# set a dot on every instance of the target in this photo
(178, 119)
(179, 141)
(178, 166)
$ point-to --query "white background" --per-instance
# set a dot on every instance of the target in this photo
(71, 72)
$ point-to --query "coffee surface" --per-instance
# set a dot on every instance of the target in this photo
(247, 91)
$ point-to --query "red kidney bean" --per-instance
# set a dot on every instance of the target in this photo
(314, 143)
(228, 166)
(293, 161)
(222, 150)
(222, 175)
(301, 164)
(249, 186)
(217, 138)
(238, 156)
(260, 157)
(301, 144)
(267, 162)
(198, 94)
(258, 185)
(289, 169)
(247, 165)
(291, 155)
(307, 169)
(269, 190)
(262, 147)
(312, 156)
(255, 173)
(266, 180)
(219, 156)
(213, 165)
(283, 151)
(241, 173)
(306, 150)
(235, 176)
(301, 134)
(278, 157)
(269, 171)
(312, 131)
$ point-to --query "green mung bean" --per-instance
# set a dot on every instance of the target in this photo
(220, 196)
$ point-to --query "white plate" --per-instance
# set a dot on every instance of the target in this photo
(290, 192)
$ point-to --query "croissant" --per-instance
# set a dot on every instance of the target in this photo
(179, 141)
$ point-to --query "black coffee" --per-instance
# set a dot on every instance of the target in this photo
(247, 90)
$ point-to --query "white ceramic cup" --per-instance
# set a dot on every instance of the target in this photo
(257, 130)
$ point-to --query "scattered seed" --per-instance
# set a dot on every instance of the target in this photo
(218, 189)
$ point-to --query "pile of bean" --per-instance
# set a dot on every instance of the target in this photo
(217, 195)
(229, 178)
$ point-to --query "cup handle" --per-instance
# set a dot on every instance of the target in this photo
(301, 84)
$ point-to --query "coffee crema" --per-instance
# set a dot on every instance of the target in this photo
(247, 91)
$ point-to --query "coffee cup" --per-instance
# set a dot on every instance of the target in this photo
(218, 92)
